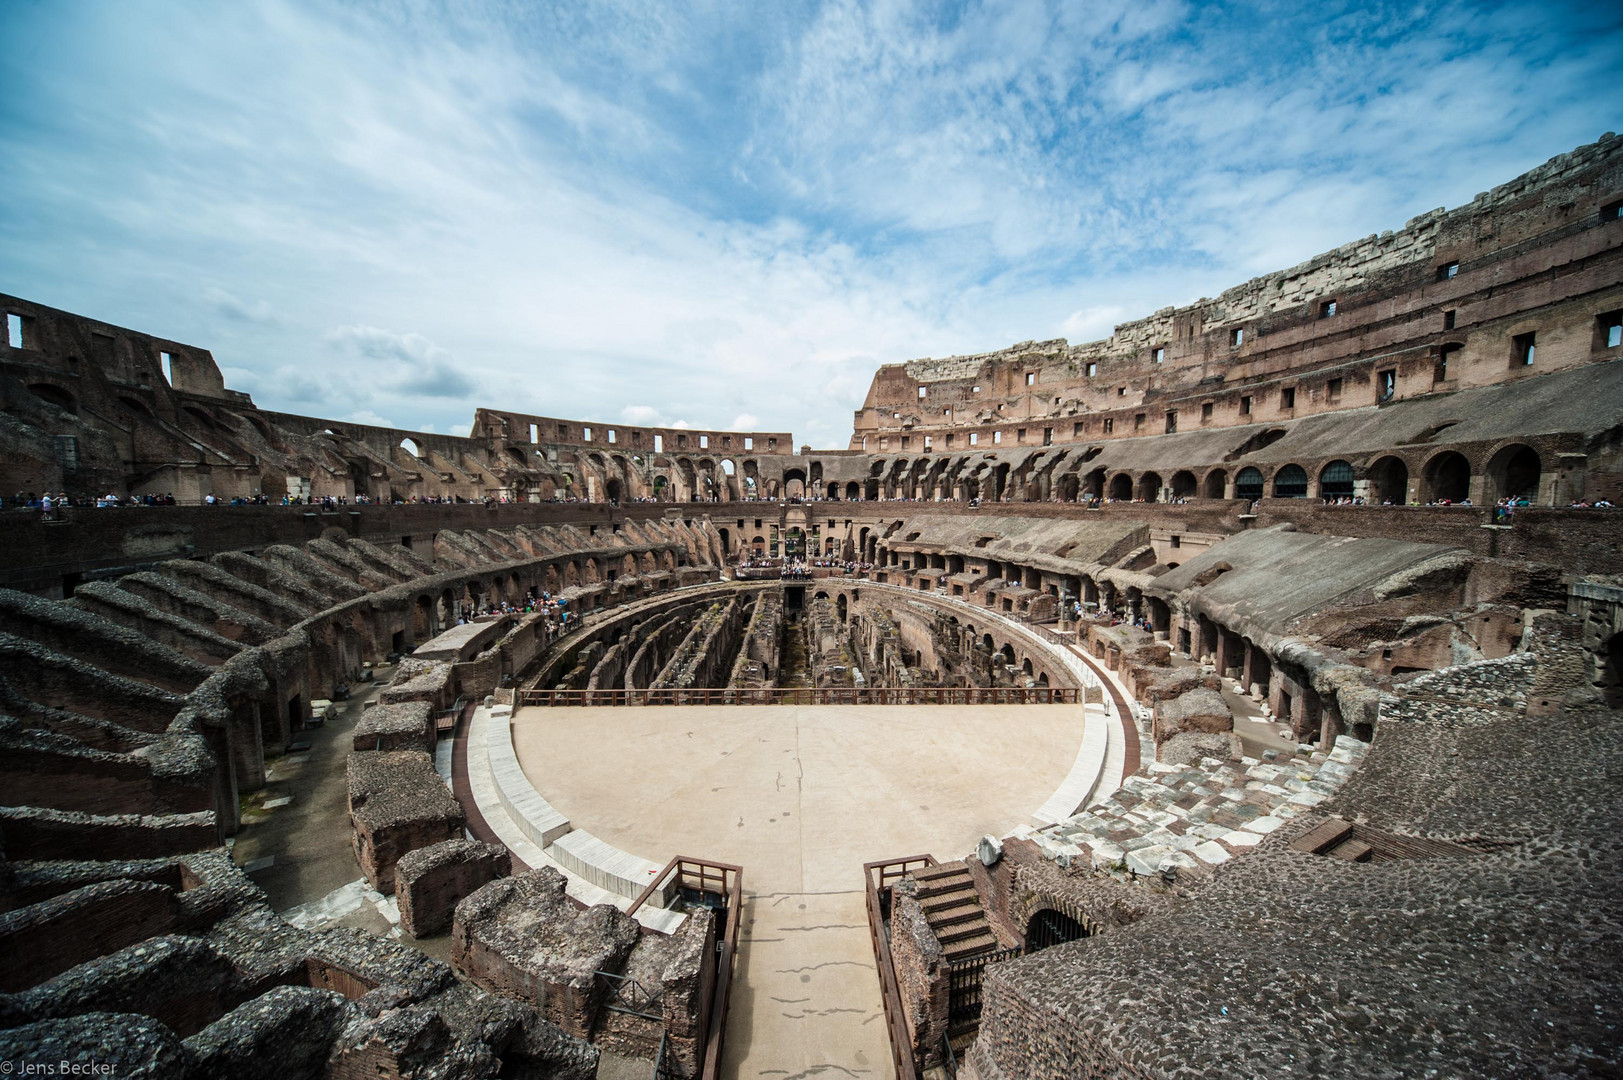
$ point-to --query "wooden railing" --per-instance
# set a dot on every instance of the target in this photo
(718, 879)
(878, 877)
(820, 695)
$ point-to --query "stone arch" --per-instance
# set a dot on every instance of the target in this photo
(1070, 486)
(1446, 476)
(853, 491)
(1389, 480)
(1248, 485)
(1149, 487)
(1212, 487)
(55, 395)
(1048, 927)
(1121, 487)
(1336, 480)
(1183, 484)
(1514, 472)
(1290, 482)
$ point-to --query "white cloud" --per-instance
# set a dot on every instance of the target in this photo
(1092, 323)
(641, 415)
(745, 422)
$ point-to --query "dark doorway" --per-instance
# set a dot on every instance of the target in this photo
(1049, 927)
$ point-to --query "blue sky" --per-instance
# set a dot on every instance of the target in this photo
(728, 214)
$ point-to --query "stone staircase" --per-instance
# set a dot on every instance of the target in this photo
(953, 909)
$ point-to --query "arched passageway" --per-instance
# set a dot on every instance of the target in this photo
(1389, 481)
(1336, 480)
(1290, 482)
(1514, 473)
(1047, 928)
(1447, 478)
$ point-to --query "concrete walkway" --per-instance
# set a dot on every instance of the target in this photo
(801, 797)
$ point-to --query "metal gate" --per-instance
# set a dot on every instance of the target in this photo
(964, 987)
(1049, 927)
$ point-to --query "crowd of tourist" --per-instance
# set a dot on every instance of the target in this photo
(555, 609)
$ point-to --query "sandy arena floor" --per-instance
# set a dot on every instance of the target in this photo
(800, 797)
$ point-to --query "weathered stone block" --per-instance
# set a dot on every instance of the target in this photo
(431, 881)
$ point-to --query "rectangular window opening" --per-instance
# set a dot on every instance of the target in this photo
(1612, 211)
(1076, 430)
(1048, 436)
(704, 442)
(1172, 422)
(974, 438)
(1609, 330)
(749, 443)
(14, 330)
(586, 434)
(1092, 370)
(166, 363)
(1327, 309)
(1159, 354)
(611, 435)
(1448, 271)
(923, 391)
(1031, 378)
(1523, 349)
(997, 436)
(1332, 390)
(1448, 320)
(563, 431)
(1386, 384)
(534, 434)
(1245, 405)
(1110, 425)
(659, 444)
(1138, 421)
(1206, 410)
(1237, 337)
(1287, 398)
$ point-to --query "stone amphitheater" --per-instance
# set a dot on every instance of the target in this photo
(1235, 696)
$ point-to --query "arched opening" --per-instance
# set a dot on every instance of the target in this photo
(1336, 480)
(1048, 927)
(1183, 484)
(1514, 473)
(1447, 478)
(1212, 486)
(412, 447)
(840, 607)
(852, 491)
(1248, 485)
(1149, 487)
(1121, 487)
(1069, 486)
(1389, 481)
(55, 395)
(1290, 482)
(613, 488)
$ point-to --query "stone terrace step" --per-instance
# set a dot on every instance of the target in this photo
(940, 885)
(952, 916)
(1186, 817)
(964, 894)
(973, 946)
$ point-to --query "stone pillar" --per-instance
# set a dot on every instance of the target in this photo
(247, 747)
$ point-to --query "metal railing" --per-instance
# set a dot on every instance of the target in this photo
(964, 987)
(720, 879)
(625, 994)
(878, 878)
(819, 695)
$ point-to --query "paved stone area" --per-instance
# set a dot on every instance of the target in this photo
(801, 797)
